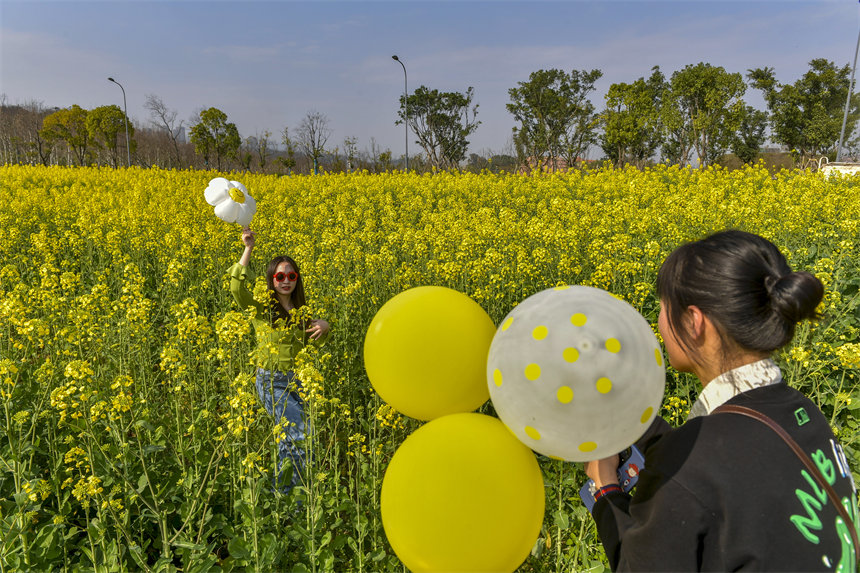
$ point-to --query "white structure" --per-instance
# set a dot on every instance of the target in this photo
(837, 168)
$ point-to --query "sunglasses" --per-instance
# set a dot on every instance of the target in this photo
(291, 276)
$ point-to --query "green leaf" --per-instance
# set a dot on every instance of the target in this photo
(326, 539)
(238, 548)
(326, 557)
(338, 542)
(47, 539)
(189, 545)
(96, 529)
(164, 565)
(199, 565)
(145, 425)
(137, 555)
(561, 520)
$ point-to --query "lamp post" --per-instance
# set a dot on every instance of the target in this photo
(405, 105)
(124, 120)
(847, 102)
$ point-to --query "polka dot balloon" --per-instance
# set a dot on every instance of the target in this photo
(575, 373)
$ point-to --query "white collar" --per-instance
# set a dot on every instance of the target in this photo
(729, 384)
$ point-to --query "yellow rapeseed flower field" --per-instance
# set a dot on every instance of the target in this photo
(132, 437)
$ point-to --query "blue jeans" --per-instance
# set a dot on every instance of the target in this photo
(278, 391)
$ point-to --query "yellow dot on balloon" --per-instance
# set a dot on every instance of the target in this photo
(497, 377)
(646, 414)
(578, 319)
(507, 324)
(564, 394)
(658, 356)
(532, 372)
(613, 346)
(604, 385)
(561, 287)
(570, 354)
(587, 447)
(540, 332)
(532, 433)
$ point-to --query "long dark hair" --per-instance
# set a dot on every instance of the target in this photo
(744, 285)
(277, 311)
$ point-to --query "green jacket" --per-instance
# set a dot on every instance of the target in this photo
(276, 347)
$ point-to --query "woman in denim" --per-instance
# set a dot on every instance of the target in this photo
(279, 339)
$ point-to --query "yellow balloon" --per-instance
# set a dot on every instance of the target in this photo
(462, 494)
(425, 352)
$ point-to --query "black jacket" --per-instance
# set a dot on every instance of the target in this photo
(725, 493)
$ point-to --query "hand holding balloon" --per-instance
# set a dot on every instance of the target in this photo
(249, 237)
(603, 472)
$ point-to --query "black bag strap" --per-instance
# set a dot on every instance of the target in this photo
(843, 513)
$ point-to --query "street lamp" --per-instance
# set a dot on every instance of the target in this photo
(406, 107)
(847, 102)
(124, 120)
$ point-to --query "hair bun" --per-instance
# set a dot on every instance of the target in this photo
(795, 296)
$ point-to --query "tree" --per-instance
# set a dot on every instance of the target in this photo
(165, 119)
(556, 119)
(350, 148)
(677, 132)
(212, 136)
(441, 121)
(807, 116)
(313, 135)
(380, 161)
(750, 135)
(708, 107)
(21, 140)
(288, 162)
(70, 126)
(104, 124)
(261, 147)
(632, 124)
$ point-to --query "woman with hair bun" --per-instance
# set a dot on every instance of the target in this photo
(725, 492)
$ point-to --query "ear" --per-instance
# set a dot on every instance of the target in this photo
(696, 322)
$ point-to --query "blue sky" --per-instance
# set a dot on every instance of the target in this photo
(267, 64)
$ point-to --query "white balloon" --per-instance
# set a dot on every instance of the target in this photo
(231, 200)
(217, 191)
(245, 214)
(227, 211)
(575, 373)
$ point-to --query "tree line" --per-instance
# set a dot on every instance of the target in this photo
(694, 117)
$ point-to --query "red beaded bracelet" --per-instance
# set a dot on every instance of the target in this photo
(605, 490)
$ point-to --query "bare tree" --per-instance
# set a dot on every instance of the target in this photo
(260, 144)
(20, 138)
(380, 161)
(350, 148)
(288, 160)
(165, 118)
(313, 134)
